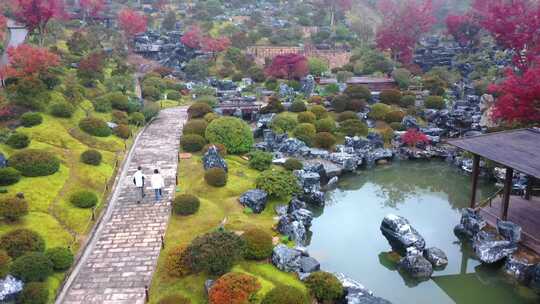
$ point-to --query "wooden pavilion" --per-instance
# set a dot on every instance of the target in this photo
(516, 150)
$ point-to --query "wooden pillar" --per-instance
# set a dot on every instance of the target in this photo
(507, 191)
(530, 182)
(475, 173)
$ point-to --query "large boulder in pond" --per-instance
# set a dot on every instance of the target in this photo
(489, 249)
(471, 223)
(286, 259)
(302, 215)
(10, 287)
(520, 270)
(401, 235)
(510, 231)
(212, 159)
(356, 293)
(436, 257)
(416, 266)
(255, 199)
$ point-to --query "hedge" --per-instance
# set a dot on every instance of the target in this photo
(199, 109)
(324, 286)
(297, 107)
(305, 132)
(319, 111)
(292, 164)
(260, 160)
(284, 122)
(34, 293)
(283, 294)
(324, 140)
(353, 127)
(379, 111)
(5, 261)
(32, 163)
(122, 131)
(306, 117)
(232, 288)
(278, 184)
(435, 102)
(195, 126)
(390, 97)
(61, 110)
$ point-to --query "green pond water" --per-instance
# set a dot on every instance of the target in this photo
(346, 236)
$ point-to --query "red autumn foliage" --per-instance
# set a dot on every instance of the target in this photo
(413, 137)
(93, 63)
(3, 23)
(403, 25)
(131, 22)
(233, 288)
(464, 28)
(288, 66)
(159, 4)
(27, 60)
(35, 14)
(92, 8)
(215, 45)
(193, 37)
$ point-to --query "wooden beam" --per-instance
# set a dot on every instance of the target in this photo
(528, 190)
(475, 173)
(507, 191)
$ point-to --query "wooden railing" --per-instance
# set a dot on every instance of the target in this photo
(490, 199)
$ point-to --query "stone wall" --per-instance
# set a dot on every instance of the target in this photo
(335, 58)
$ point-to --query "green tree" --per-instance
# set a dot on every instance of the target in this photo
(317, 66)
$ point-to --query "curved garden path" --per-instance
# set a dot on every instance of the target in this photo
(121, 254)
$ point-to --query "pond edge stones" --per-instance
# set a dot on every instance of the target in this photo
(254, 199)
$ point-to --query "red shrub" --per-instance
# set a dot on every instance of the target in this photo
(233, 288)
(413, 137)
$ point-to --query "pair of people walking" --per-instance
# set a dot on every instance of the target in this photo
(157, 183)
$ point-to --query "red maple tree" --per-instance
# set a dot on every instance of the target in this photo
(464, 28)
(215, 45)
(36, 14)
(92, 8)
(3, 23)
(404, 22)
(288, 66)
(131, 22)
(414, 137)
(192, 38)
(28, 60)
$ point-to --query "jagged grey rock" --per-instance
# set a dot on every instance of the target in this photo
(436, 257)
(510, 231)
(296, 204)
(286, 259)
(416, 266)
(401, 235)
(212, 159)
(490, 250)
(471, 224)
(294, 229)
(255, 199)
(519, 269)
(302, 215)
(309, 264)
(10, 287)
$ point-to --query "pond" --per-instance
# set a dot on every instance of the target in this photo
(346, 236)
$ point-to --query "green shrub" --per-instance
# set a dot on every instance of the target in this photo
(353, 127)
(358, 92)
(32, 267)
(324, 286)
(209, 117)
(216, 177)
(95, 126)
(347, 115)
(434, 84)
(397, 126)
(274, 106)
(407, 101)
(118, 100)
(192, 142)
(122, 131)
(390, 97)
(233, 133)
(34, 293)
(258, 244)
(209, 100)
(283, 294)
(305, 132)
(260, 160)
(435, 102)
(137, 119)
(292, 164)
(284, 122)
(9, 176)
(394, 116)
(61, 257)
(319, 111)
(32, 163)
(356, 105)
(195, 126)
(339, 103)
(120, 117)
(5, 262)
(324, 140)
(297, 107)
(278, 184)
(19, 241)
(306, 117)
(186, 204)
(325, 125)
(402, 77)
(91, 157)
(61, 110)
(174, 95)
(150, 111)
(177, 263)
(222, 150)
(102, 105)
(199, 109)
(13, 208)
(18, 140)
(379, 111)
(174, 299)
(84, 199)
(31, 119)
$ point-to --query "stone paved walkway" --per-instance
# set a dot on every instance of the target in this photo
(121, 257)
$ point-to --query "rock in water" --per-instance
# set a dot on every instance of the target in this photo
(436, 257)
(356, 293)
(490, 250)
(471, 224)
(286, 259)
(9, 288)
(255, 199)
(296, 204)
(416, 266)
(292, 228)
(519, 269)
(212, 159)
(401, 235)
(304, 216)
(309, 264)
(510, 231)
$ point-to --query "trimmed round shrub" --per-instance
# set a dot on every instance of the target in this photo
(305, 132)
(353, 127)
(18, 140)
(284, 122)
(177, 262)
(306, 117)
(324, 140)
(339, 103)
(136, 118)
(120, 117)
(102, 105)
(356, 105)
(19, 241)
(13, 208)
(192, 142)
(233, 133)
(278, 184)
(34, 293)
(216, 252)
(407, 101)
(316, 100)
(5, 262)
(391, 97)
(346, 116)
(150, 111)
(216, 177)
(283, 294)
(9, 176)
(186, 204)
(379, 111)
(358, 92)
(91, 157)
(222, 150)
(195, 126)
(260, 160)
(394, 116)
(298, 106)
(209, 117)
(122, 131)
(292, 164)
(233, 288)
(434, 102)
(31, 119)
(174, 95)
(61, 110)
(95, 126)
(84, 199)
(319, 111)
(258, 244)
(199, 109)
(324, 286)
(32, 267)
(32, 163)
(325, 125)
(61, 258)
(174, 299)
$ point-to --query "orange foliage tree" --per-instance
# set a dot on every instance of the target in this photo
(233, 288)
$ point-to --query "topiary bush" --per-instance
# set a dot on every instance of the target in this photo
(216, 177)
(233, 288)
(258, 244)
(394, 116)
(284, 122)
(353, 127)
(61, 110)
(305, 132)
(360, 92)
(5, 262)
(136, 118)
(407, 101)
(306, 117)
(32, 163)
(390, 97)
(298, 106)
(324, 286)
(199, 109)
(283, 294)
(233, 133)
(91, 157)
(174, 299)
(177, 262)
(192, 142)
(13, 208)
(34, 293)
(339, 103)
(379, 111)
(292, 164)
(325, 125)
(260, 160)
(195, 126)
(173, 95)
(120, 117)
(347, 115)
(30, 119)
(319, 111)
(9, 176)
(84, 199)
(435, 102)
(150, 111)
(324, 140)
(95, 126)
(61, 258)
(186, 204)
(32, 267)
(209, 117)
(356, 105)
(102, 105)
(122, 131)
(278, 184)
(19, 241)
(18, 140)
